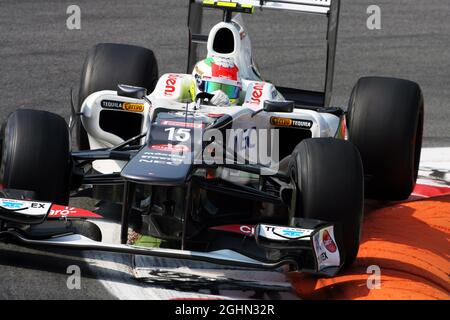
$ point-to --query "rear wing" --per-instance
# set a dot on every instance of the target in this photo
(306, 6)
(328, 8)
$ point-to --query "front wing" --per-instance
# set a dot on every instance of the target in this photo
(289, 242)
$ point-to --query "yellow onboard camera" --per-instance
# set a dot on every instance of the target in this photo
(228, 6)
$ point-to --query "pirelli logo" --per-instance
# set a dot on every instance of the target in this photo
(288, 122)
(119, 105)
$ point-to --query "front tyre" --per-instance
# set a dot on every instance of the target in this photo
(35, 155)
(329, 181)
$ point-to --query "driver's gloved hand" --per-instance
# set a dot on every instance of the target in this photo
(220, 99)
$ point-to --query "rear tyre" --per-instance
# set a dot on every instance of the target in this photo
(385, 122)
(35, 155)
(109, 64)
(329, 178)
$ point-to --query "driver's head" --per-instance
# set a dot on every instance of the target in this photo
(217, 73)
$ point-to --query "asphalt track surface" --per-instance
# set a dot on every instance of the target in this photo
(40, 59)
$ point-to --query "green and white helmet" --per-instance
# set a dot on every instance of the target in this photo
(217, 73)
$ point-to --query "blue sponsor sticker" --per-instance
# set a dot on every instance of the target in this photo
(12, 204)
(292, 233)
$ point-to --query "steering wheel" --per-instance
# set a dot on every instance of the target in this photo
(203, 96)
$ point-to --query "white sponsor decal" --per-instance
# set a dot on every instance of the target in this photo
(326, 250)
(283, 233)
(257, 93)
(171, 82)
(31, 208)
(195, 125)
(246, 229)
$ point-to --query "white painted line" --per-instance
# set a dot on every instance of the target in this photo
(435, 158)
(434, 166)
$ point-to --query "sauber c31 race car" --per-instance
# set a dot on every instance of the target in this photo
(279, 179)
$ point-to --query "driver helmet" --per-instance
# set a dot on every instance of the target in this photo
(217, 73)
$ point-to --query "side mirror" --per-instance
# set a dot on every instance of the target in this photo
(203, 96)
(124, 90)
(278, 106)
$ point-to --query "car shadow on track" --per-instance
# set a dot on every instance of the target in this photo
(57, 261)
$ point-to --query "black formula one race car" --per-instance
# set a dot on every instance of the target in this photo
(277, 179)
